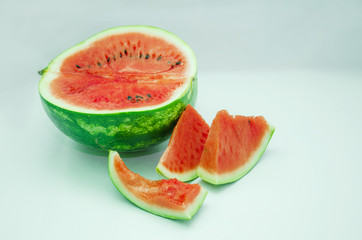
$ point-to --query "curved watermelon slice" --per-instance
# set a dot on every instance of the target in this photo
(122, 89)
(167, 198)
(182, 155)
(233, 147)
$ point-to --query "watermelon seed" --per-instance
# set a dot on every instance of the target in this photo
(149, 95)
(178, 63)
(141, 55)
(114, 57)
(159, 58)
(120, 54)
(125, 52)
(77, 65)
(129, 97)
(89, 66)
(249, 121)
(108, 59)
(133, 101)
(139, 97)
(137, 100)
(147, 56)
(99, 64)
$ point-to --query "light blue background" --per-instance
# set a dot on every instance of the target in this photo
(298, 63)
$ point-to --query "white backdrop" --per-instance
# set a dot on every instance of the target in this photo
(298, 63)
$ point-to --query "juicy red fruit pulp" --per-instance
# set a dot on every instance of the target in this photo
(186, 143)
(128, 70)
(231, 142)
(171, 193)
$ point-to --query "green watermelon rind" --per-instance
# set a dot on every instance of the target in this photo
(160, 211)
(124, 131)
(218, 179)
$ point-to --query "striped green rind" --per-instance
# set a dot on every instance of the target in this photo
(218, 179)
(157, 210)
(124, 131)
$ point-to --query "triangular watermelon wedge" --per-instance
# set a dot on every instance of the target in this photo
(182, 155)
(233, 147)
(167, 198)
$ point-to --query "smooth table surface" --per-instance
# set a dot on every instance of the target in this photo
(307, 185)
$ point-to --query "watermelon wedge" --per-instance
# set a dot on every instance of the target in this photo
(233, 147)
(182, 155)
(167, 198)
(122, 89)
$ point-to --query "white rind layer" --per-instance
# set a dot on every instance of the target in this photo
(53, 68)
(184, 177)
(229, 177)
(161, 211)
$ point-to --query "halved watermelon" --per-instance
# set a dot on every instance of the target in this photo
(122, 89)
(168, 198)
(182, 156)
(233, 147)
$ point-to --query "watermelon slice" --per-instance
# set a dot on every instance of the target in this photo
(182, 156)
(122, 89)
(168, 198)
(233, 147)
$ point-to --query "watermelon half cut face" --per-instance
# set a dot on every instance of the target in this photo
(122, 89)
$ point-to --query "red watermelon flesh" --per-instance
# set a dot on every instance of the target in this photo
(182, 156)
(168, 198)
(233, 147)
(128, 70)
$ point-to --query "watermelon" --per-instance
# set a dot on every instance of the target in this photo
(122, 89)
(169, 198)
(182, 155)
(233, 147)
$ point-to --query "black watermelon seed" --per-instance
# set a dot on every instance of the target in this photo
(141, 55)
(120, 54)
(178, 62)
(139, 97)
(99, 64)
(137, 100)
(129, 97)
(108, 59)
(159, 58)
(147, 56)
(77, 65)
(249, 121)
(149, 95)
(125, 52)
